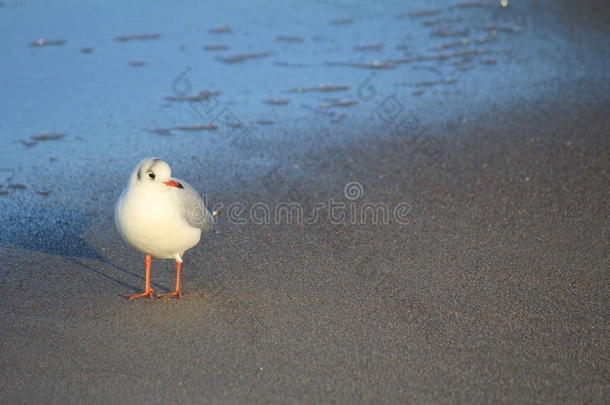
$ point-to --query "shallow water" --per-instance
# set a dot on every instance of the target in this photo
(135, 80)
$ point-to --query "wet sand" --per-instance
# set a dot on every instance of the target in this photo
(494, 291)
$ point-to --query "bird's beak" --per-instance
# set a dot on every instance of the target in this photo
(173, 183)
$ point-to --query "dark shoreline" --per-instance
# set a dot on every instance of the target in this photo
(495, 291)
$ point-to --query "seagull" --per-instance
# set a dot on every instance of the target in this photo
(161, 216)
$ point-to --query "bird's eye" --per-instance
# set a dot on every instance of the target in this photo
(151, 176)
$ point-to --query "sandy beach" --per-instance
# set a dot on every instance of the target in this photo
(477, 134)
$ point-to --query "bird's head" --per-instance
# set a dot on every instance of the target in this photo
(154, 171)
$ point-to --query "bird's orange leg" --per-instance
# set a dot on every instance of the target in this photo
(178, 292)
(147, 290)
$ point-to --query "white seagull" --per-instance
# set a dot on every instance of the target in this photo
(160, 216)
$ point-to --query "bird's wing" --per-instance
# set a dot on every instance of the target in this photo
(194, 209)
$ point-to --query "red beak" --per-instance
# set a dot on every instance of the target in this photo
(173, 183)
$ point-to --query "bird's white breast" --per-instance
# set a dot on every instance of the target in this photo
(153, 222)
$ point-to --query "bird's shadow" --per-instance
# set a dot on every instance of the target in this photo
(59, 231)
(50, 230)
